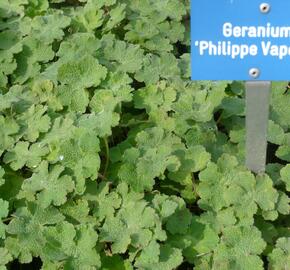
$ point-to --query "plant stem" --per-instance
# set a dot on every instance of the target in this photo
(7, 219)
(107, 156)
(219, 119)
(194, 186)
(203, 254)
(103, 177)
(135, 123)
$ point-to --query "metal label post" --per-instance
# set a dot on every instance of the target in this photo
(257, 114)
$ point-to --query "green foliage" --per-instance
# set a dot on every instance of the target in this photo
(3, 213)
(112, 159)
(150, 158)
(47, 187)
(280, 256)
(237, 189)
(238, 249)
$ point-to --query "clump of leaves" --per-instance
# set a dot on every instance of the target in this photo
(112, 159)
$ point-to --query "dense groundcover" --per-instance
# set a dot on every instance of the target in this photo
(112, 159)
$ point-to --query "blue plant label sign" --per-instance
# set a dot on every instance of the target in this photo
(240, 40)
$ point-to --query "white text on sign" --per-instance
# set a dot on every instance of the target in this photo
(239, 50)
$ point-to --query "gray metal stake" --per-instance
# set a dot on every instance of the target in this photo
(257, 115)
